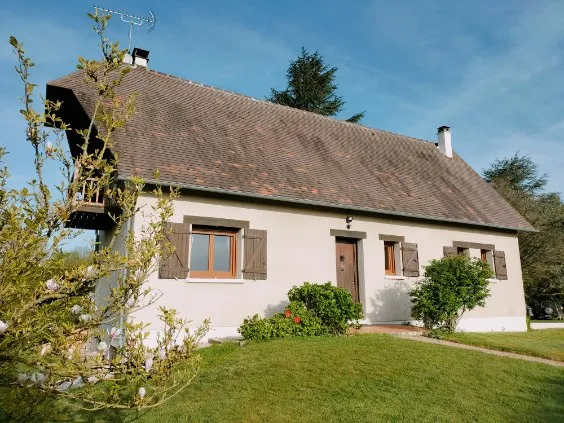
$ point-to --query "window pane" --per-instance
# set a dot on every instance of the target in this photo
(389, 258)
(200, 249)
(221, 253)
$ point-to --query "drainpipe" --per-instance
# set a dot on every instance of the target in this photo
(122, 315)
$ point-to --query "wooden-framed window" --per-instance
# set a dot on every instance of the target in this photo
(213, 252)
(390, 257)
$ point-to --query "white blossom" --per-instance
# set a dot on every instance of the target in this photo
(52, 285)
(102, 346)
(130, 302)
(142, 391)
(49, 149)
(76, 309)
(70, 352)
(115, 336)
(77, 383)
(3, 326)
(22, 378)
(61, 387)
(114, 332)
(89, 273)
(85, 318)
(148, 364)
(37, 378)
(45, 349)
(162, 353)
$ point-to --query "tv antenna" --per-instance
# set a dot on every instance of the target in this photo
(132, 20)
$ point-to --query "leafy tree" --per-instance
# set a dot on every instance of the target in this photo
(519, 172)
(311, 87)
(517, 180)
(47, 312)
(452, 286)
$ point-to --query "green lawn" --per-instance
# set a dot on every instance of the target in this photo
(547, 321)
(546, 343)
(364, 378)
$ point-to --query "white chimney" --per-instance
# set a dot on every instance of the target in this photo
(445, 143)
(140, 57)
(128, 59)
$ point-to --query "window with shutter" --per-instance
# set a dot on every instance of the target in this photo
(175, 265)
(390, 257)
(255, 254)
(486, 256)
(410, 257)
(499, 265)
(213, 252)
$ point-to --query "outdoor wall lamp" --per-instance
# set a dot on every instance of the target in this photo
(349, 220)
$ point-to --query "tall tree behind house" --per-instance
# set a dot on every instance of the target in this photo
(311, 87)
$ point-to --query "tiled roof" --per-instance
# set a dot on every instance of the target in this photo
(204, 138)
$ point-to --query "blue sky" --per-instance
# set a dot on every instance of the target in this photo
(493, 71)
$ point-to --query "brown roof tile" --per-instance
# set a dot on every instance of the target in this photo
(204, 138)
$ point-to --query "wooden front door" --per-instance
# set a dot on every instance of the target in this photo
(347, 266)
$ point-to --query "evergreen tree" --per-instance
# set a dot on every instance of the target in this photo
(311, 87)
(517, 180)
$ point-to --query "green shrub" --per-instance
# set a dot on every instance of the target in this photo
(296, 320)
(313, 310)
(256, 328)
(334, 306)
(452, 285)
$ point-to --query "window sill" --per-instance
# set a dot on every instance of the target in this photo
(493, 280)
(395, 277)
(216, 281)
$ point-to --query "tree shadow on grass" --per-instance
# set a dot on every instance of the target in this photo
(551, 409)
(73, 414)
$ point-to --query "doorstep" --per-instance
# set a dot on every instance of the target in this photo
(397, 330)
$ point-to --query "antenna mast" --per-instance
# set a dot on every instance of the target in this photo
(151, 20)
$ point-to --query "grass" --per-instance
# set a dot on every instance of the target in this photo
(548, 321)
(363, 378)
(545, 343)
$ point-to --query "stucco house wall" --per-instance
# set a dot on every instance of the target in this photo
(300, 248)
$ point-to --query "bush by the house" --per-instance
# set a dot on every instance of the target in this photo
(452, 285)
(334, 306)
(313, 310)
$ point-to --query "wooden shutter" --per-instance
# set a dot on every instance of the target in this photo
(176, 264)
(499, 265)
(410, 258)
(450, 251)
(254, 265)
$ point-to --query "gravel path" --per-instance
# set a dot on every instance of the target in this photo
(485, 350)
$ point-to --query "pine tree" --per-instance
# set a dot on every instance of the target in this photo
(311, 87)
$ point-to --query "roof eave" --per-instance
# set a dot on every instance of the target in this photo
(332, 205)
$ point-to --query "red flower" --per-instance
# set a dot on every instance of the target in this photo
(297, 319)
(287, 313)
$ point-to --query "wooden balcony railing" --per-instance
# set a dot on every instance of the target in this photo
(90, 194)
(95, 208)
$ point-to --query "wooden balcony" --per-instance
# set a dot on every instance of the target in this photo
(94, 209)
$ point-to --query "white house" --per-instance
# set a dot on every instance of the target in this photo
(274, 196)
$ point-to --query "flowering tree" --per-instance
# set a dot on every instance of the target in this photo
(47, 311)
